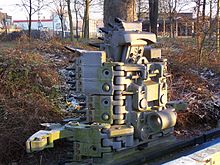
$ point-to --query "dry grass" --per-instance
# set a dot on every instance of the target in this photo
(183, 52)
(27, 99)
(202, 114)
(29, 91)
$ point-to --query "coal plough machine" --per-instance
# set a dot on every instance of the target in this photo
(127, 112)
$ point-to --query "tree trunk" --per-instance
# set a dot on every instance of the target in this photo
(5, 24)
(210, 19)
(70, 19)
(77, 23)
(123, 9)
(164, 26)
(177, 31)
(218, 29)
(153, 15)
(203, 10)
(62, 27)
(139, 9)
(198, 33)
(86, 20)
(171, 26)
(77, 26)
(30, 19)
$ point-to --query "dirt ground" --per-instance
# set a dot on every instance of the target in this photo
(31, 92)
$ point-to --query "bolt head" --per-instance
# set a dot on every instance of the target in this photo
(105, 117)
(106, 87)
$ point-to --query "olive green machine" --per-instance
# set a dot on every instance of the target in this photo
(125, 84)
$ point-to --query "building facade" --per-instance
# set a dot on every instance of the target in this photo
(5, 22)
(181, 25)
(54, 24)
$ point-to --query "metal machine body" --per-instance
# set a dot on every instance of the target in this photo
(126, 98)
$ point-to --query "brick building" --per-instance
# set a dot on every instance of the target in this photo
(182, 24)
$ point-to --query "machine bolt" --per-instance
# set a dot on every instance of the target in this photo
(105, 117)
(106, 87)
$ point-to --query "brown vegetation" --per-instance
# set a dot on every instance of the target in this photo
(188, 84)
(28, 97)
(29, 91)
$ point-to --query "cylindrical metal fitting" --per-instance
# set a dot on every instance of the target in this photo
(161, 120)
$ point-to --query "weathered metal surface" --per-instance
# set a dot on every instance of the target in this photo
(126, 100)
(185, 147)
(207, 156)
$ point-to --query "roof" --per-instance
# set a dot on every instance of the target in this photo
(43, 20)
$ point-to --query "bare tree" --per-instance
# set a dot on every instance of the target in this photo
(124, 9)
(60, 10)
(164, 13)
(170, 10)
(86, 5)
(31, 7)
(142, 9)
(163, 6)
(204, 28)
(201, 29)
(77, 7)
(70, 19)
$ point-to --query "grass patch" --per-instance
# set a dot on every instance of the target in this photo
(28, 97)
